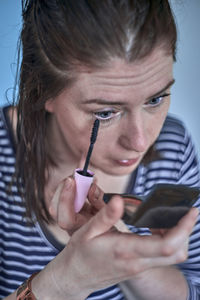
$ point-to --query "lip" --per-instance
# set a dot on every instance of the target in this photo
(127, 162)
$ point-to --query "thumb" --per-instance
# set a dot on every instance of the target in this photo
(62, 205)
(104, 220)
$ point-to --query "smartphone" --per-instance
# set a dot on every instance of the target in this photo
(163, 207)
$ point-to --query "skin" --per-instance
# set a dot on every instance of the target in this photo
(126, 98)
(97, 255)
(144, 261)
(121, 96)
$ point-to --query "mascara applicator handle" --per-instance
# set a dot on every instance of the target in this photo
(83, 183)
(84, 178)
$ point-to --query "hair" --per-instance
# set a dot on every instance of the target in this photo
(57, 38)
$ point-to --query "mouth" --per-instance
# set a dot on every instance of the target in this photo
(127, 162)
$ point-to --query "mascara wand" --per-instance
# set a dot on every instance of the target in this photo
(84, 177)
(92, 141)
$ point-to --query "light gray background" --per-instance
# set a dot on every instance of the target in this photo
(185, 93)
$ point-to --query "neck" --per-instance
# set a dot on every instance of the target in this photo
(112, 184)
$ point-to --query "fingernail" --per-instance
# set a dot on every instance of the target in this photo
(51, 210)
(96, 193)
(68, 183)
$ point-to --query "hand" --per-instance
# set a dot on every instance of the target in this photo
(62, 205)
(97, 257)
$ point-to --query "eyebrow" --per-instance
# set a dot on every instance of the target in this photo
(107, 102)
(169, 84)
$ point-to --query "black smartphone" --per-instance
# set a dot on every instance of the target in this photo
(163, 207)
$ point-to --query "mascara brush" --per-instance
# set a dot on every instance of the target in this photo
(84, 177)
(92, 141)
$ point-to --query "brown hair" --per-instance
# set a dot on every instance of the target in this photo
(57, 37)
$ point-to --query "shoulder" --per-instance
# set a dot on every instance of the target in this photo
(173, 136)
(177, 151)
(3, 123)
(176, 162)
(6, 141)
(173, 125)
(8, 123)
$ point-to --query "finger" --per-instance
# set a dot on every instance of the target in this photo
(189, 219)
(104, 220)
(177, 255)
(178, 236)
(141, 264)
(95, 197)
(185, 225)
(66, 217)
(172, 245)
(159, 231)
(121, 226)
(62, 205)
(95, 180)
(162, 231)
(65, 210)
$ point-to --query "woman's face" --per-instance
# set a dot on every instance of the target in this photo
(130, 99)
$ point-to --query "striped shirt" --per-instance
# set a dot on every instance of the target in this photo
(27, 249)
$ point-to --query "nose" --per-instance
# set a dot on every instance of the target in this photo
(133, 135)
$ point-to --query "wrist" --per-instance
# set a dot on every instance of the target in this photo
(25, 289)
(46, 285)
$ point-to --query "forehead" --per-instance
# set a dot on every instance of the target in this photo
(143, 77)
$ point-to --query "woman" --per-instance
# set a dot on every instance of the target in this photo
(86, 60)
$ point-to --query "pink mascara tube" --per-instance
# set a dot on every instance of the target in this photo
(84, 177)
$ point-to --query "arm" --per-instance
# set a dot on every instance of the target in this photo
(113, 255)
(166, 283)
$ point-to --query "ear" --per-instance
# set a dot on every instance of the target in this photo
(49, 105)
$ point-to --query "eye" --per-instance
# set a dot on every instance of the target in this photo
(156, 101)
(106, 115)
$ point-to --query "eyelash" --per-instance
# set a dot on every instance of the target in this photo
(118, 113)
(107, 119)
(161, 98)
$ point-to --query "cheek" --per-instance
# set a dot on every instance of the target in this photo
(75, 124)
(106, 141)
(77, 134)
(81, 138)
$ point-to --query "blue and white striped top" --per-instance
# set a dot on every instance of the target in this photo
(27, 249)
